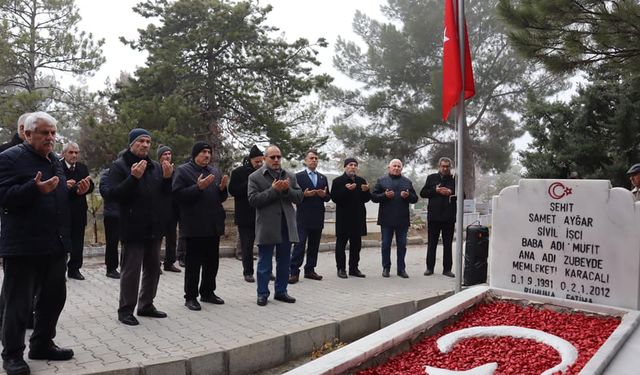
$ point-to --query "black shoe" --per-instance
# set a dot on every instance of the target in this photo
(342, 274)
(403, 274)
(385, 272)
(357, 273)
(113, 274)
(128, 319)
(182, 263)
(16, 366)
(75, 275)
(262, 300)
(249, 278)
(171, 268)
(152, 312)
(272, 277)
(449, 274)
(284, 298)
(193, 305)
(52, 353)
(212, 298)
(294, 279)
(312, 275)
(428, 272)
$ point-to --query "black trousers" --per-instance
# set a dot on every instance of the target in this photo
(355, 244)
(136, 256)
(23, 278)
(170, 239)
(202, 253)
(247, 238)
(112, 238)
(77, 246)
(434, 228)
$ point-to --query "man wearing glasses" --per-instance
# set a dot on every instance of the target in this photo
(273, 191)
(440, 189)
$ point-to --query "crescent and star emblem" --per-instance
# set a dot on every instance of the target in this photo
(568, 352)
(558, 190)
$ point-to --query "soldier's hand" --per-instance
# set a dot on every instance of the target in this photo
(46, 187)
(204, 182)
(137, 169)
(364, 187)
(350, 186)
(71, 183)
(389, 193)
(167, 169)
(224, 182)
(83, 185)
(322, 192)
(405, 194)
(309, 193)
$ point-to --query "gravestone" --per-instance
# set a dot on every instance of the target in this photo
(570, 239)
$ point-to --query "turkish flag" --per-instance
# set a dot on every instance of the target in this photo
(451, 72)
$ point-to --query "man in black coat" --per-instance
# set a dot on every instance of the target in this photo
(76, 172)
(440, 189)
(309, 218)
(111, 221)
(139, 184)
(34, 241)
(200, 190)
(245, 215)
(350, 192)
(394, 193)
(19, 136)
(170, 215)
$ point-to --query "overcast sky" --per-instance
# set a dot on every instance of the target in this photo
(311, 19)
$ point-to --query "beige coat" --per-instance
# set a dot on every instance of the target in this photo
(270, 204)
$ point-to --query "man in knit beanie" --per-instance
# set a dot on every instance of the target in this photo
(139, 185)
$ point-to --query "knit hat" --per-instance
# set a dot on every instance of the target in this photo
(350, 160)
(162, 149)
(255, 151)
(199, 146)
(634, 169)
(137, 133)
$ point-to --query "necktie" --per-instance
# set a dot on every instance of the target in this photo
(314, 178)
(72, 168)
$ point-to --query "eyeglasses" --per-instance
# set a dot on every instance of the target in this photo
(275, 157)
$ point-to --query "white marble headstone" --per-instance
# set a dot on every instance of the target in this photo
(570, 239)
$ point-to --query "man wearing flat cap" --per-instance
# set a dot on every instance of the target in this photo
(139, 184)
(350, 192)
(200, 190)
(634, 177)
(245, 215)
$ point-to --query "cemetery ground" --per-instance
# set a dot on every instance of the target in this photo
(238, 337)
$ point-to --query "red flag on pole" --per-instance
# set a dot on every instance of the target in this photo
(451, 72)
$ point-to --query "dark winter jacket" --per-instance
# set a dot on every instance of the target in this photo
(109, 207)
(78, 203)
(201, 211)
(245, 215)
(393, 212)
(310, 212)
(139, 199)
(440, 208)
(32, 223)
(15, 140)
(351, 214)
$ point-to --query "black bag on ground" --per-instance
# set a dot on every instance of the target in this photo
(475, 255)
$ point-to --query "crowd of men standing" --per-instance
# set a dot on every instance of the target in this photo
(43, 218)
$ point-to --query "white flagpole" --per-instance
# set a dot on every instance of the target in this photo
(461, 121)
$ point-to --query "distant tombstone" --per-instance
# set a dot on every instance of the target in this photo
(570, 239)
